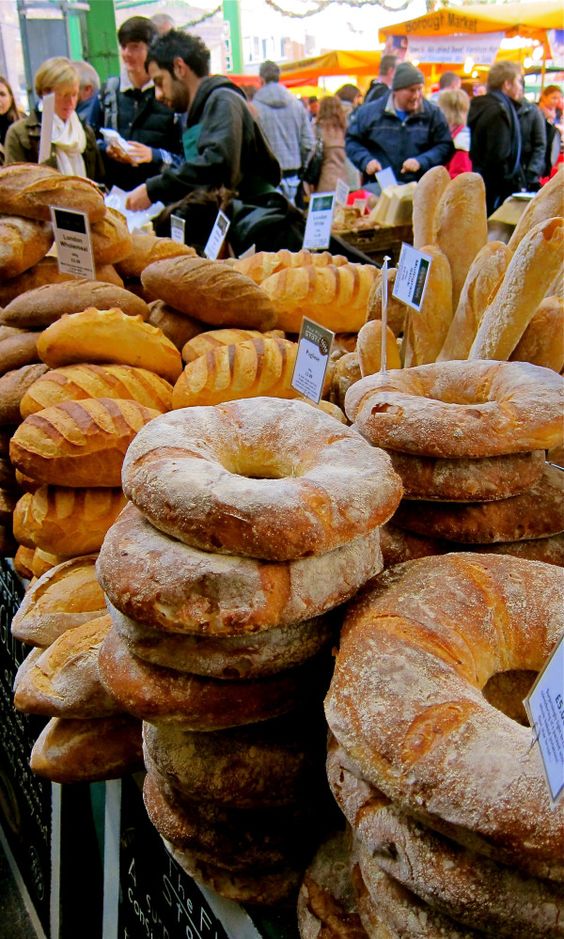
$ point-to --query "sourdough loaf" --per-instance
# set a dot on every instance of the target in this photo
(30, 190)
(176, 326)
(37, 308)
(17, 348)
(69, 751)
(22, 244)
(110, 238)
(146, 249)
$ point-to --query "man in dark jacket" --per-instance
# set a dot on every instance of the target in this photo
(401, 131)
(380, 87)
(223, 144)
(533, 143)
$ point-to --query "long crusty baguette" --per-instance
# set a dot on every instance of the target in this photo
(214, 338)
(369, 346)
(75, 382)
(336, 297)
(542, 343)
(67, 522)
(427, 328)
(548, 203)
(43, 305)
(482, 281)
(426, 200)
(247, 370)
(30, 190)
(13, 386)
(22, 244)
(536, 261)
(110, 238)
(146, 249)
(109, 336)
(461, 226)
(264, 263)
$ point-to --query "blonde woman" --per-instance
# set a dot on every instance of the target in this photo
(73, 145)
(455, 104)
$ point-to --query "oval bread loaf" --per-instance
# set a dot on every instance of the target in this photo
(264, 263)
(213, 338)
(13, 386)
(146, 249)
(110, 238)
(22, 244)
(43, 305)
(336, 297)
(64, 521)
(177, 327)
(72, 750)
(17, 348)
(542, 343)
(30, 190)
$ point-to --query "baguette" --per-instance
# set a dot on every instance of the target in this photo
(426, 199)
(209, 291)
(76, 382)
(335, 297)
(461, 226)
(264, 263)
(30, 190)
(426, 329)
(482, 282)
(369, 348)
(66, 522)
(247, 370)
(397, 311)
(146, 249)
(548, 203)
(44, 305)
(176, 326)
(110, 238)
(109, 336)
(542, 343)
(80, 443)
(69, 751)
(536, 261)
(214, 338)
(17, 348)
(13, 386)
(22, 244)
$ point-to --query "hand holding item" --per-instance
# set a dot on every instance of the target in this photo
(118, 154)
(138, 199)
(139, 152)
(373, 166)
(411, 165)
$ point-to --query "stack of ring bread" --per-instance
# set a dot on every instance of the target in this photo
(428, 758)
(468, 439)
(248, 523)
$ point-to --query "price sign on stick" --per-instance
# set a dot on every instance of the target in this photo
(384, 339)
(319, 220)
(314, 346)
(545, 709)
(412, 276)
(217, 236)
(177, 229)
(74, 248)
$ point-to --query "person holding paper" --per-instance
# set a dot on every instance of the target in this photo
(401, 131)
(73, 148)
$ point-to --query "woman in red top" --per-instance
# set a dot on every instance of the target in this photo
(454, 103)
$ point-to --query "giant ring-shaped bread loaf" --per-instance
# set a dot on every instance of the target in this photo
(460, 409)
(406, 699)
(260, 477)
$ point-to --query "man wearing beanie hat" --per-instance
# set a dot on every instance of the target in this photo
(400, 130)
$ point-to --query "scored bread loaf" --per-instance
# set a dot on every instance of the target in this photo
(247, 370)
(22, 244)
(67, 522)
(80, 443)
(43, 561)
(534, 264)
(426, 199)
(264, 263)
(72, 750)
(44, 305)
(110, 238)
(145, 249)
(30, 190)
(75, 382)
(17, 347)
(396, 312)
(542, 343)
(426, 328)
(369, 346)
(461, 226)
(109, 336)
(176, 326)
(209, 291)
(13, 386)
(336, 297)
(548, 203)
(214, 338)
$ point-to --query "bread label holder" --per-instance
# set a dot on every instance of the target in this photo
(177, 229)
(314, 346)
(319, 220)
(74, 246)
(386, 178)
(545, 709)
(412, 276)
(217, 236)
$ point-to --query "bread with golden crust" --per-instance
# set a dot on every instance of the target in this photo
(542, 343)
(18, 347)
(176, 326)
(43, 561)
(397, 311)
(69, 750)
(44, 272)
(22, 562)
(22, 244)
(327, 905)
(461, 226)
(547, 203)
(426, 200)
(30, 190)
(264, 263)
(14, 385)
(64, 521)
(145, 249)
(369, 348)
(212, 339)
(42, 306)
(426, 328)
(110, 238)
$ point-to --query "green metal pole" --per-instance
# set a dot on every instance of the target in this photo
(231, 15)
(74, 34)
(101, 33)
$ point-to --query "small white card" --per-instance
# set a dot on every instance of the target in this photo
(217, 236)
(314, 346)
(177, 229)
(545, 709)
(386, 178)
(341, 192)
(47, 113)
(412, 275)
(74, 247)
(319, 220)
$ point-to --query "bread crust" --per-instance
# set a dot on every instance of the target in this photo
(30, 190)
(369, 346)
(326, 902)
(548, 203)
(461, 226)
(22, 244)
(13, 386)
(87, 750)
(146, 249)
(176, 326)
(426, 328)
(426, 200)
(38, 308)
(65, 521)
(264, 263)
(542, 343)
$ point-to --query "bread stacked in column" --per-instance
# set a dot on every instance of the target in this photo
(249, 522)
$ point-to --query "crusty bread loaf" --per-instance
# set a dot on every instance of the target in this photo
(146, 249)
(548, 203)
(542, 343)
(249, 369)
(213, 338)
(336, 297)
(64, 597)
(44, 305)
(17, 347)
(22, 244)
(426, 328)
(80, 443)
(75, 382)
(25, 483)
(13, 386)
(22, 562)
(110, 238)
(46, 272)
(369, 348)
(482, 282)
(209, 291)
(396, 312)
(426, 199)
(534, 264)
(344, 374)
(109, 336)
(67, 522)
(30, 190)
(461, 226)
(327, 904)
(264, 263)
(177, 327)
(44, 561)
(69, 751)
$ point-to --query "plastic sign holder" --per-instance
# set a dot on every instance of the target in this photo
(314, 346)
(177, 229)
(545, 709)
(412, 276)
(319, 221)
(74, 246)
(217, 236)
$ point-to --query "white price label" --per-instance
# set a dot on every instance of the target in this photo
(217, 236)
(545, 708)
(411, 277)
(319, 220)
(177, 229)
(341, 192)
(386, 178)
(74, 247)
(314, 346)
(47, 111)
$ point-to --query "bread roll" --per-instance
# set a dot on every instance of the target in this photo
(209, 291)
(176, 326)
(548, 203)
(482, 282)
(76, 382)
(22, 244)
(44, 305)
(30, 190)
(146, 249)
(426, 328)
(109, 336)
(345, 373)
(397, 311)
(214, 338)
(68, 522)
(264, 263)
(461, 226)
(80, 443)
(426, 200)
(249, 369)
(69, 751)
(542, 343)
(335, 297)
(110, 238)
(536, 261)
(17, 347)
(369, 348)
(13, 386)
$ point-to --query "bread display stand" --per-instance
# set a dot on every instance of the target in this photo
(376, 243)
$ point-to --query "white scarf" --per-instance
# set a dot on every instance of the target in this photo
(70, 142)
